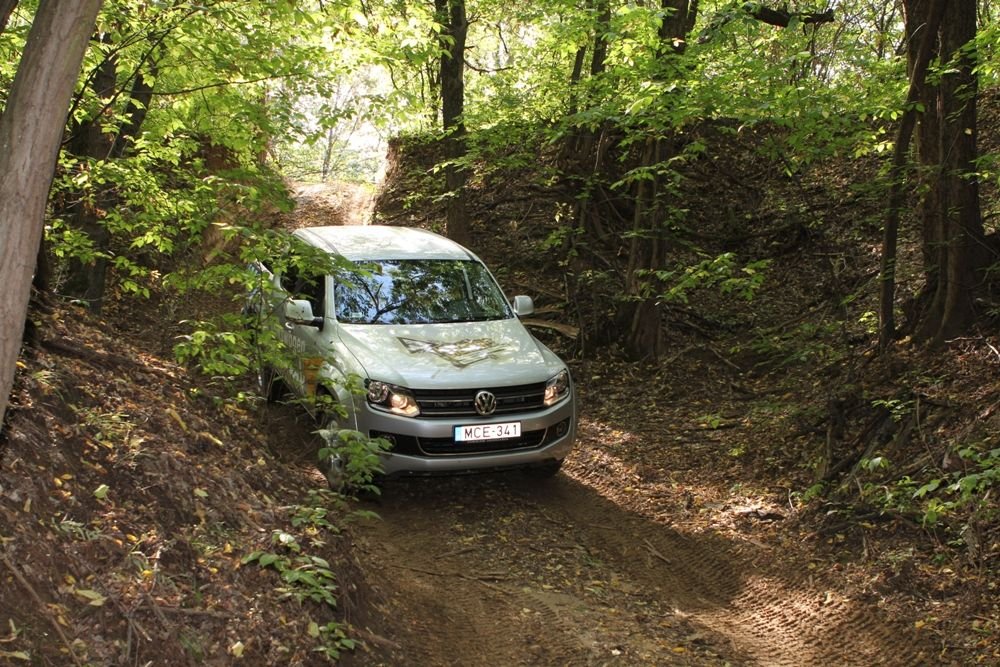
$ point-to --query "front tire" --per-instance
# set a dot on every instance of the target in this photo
(333, 464)
(270, 385)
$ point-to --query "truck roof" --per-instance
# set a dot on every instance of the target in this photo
(375, 242)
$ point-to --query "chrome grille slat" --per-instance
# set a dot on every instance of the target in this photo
(440, 403)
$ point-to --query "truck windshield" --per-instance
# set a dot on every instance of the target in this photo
(418, 291)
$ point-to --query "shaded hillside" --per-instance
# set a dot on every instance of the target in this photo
(886, 464)
(130, 496)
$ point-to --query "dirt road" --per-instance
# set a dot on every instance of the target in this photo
(594, 567)
(508, 570)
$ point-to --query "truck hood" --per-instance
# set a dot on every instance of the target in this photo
(450, 356)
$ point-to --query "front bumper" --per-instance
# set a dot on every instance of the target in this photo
(423, 446)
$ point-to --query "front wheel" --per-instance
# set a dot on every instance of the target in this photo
(269, 384)
(331, 459)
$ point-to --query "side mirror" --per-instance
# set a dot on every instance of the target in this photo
(300, 311)
(523, 306)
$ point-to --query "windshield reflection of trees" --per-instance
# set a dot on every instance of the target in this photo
(418, 292)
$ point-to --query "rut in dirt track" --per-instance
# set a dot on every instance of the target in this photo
(504, 570)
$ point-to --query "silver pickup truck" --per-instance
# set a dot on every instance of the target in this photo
(440, 364)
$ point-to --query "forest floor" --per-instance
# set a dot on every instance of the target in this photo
(132, 492)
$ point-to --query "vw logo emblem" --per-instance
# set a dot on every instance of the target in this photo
(486, 403)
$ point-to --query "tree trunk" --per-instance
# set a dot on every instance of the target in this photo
(890, 231)
(86, 279)
(963, 226)
(92, 141)
(927, 306)
(31, 128)
(645, 335)
(574, 79)
(579, 148)
(454, 29)
(135, 112)
(953, 238)
(327, 155)
(7, 8)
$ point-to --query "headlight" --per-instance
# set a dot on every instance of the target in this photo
(391, 398)
(557, 388)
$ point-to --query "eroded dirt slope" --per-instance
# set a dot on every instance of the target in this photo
(129, 496)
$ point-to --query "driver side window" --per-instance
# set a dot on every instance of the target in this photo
(300, 285)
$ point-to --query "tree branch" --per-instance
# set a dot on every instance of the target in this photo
(782, 17)
(757, 11)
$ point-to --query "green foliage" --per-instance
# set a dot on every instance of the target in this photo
(712, 421)
(332, 639)
(940, 498)
(304, 577)
(359, 455)
(721, 272)
(231, 345)
(965, 490)
(808, 342)
(216, 349)
(898, 408)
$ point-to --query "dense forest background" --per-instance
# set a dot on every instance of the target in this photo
(795, 203)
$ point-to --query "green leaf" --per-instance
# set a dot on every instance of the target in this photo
(95, 598)
(249, 558)
(15, 655)
(929, 487)
(268, 559)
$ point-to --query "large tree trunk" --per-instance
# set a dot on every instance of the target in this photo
(951, 219)
(454, 29)
(923, 19)
(31, 128)
(646, 252)
(962, 228)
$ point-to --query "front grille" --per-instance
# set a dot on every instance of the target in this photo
(440, 403)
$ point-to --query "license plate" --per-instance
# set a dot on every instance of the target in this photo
(488, 432)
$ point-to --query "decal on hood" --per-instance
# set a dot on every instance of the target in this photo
(461, 353)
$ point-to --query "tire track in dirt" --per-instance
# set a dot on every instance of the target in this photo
(525, 581)
(765, 607)
(456, 608)
(508, 570)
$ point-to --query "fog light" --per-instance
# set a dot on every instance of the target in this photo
(562, 428)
